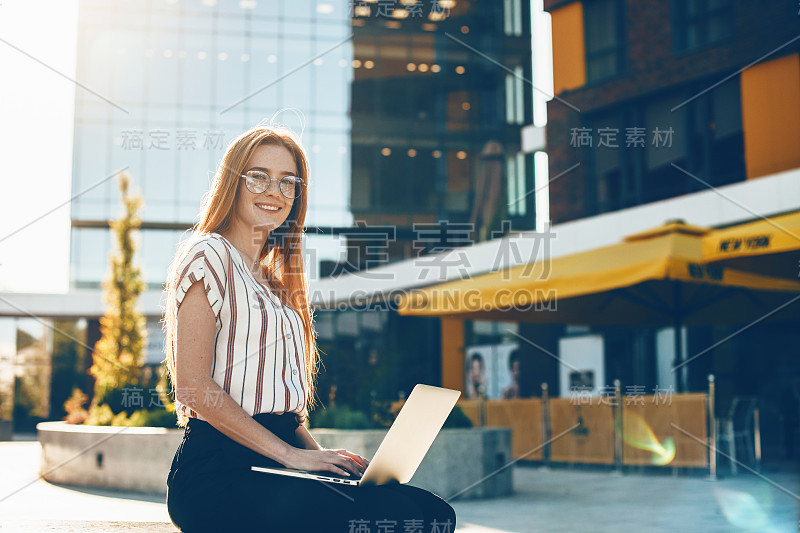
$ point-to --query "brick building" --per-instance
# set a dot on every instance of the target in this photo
(680, 109)
(661, 65)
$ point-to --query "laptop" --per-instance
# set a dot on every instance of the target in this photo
(404, 446)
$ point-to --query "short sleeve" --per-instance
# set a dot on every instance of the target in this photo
(300, 418)
(203, 261)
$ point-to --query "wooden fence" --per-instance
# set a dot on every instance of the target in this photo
(630, 430)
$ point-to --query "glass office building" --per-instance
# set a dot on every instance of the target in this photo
(167, 84)
(439, 98)
(406, 108)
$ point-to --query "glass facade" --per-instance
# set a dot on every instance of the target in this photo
(171, 82)
(396, 104)
(434, 84)
(41, 362)
(26, 369)
(8, 353)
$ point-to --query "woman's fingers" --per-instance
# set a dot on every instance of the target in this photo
(343, 459)
(361, 460)
(353, 466)
(355, 457)
(336, 470)
(354, 460)
(330, 460)
(339, 461)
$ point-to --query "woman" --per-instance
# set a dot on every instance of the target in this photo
(476, 379)
(242, 356)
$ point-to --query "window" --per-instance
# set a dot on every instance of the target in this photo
(665, 144)
(719, 137)
(406, 179)
(516, 182)
(512, 17)
(89, 168)
(8, 353)
(608, 169)
(697, 23)
(328, 196)
(515, 95)
(154, 253)
(647, 152)
(362, 176)
(604, 39)
(87, 270)
(161, 69)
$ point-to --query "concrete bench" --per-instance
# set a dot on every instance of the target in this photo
(81, 526)
(468, 462)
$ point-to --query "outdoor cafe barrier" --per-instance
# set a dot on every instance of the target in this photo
(581, 433)
(662, 429)
(523, 416)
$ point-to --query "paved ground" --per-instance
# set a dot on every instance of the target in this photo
(547, 500)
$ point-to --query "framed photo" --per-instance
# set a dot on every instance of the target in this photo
(493, 369)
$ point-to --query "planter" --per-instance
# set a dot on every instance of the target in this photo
(138, 459)
(6, 430)
(457, 459)
(127, 458)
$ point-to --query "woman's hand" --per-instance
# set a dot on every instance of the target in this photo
(341, 461)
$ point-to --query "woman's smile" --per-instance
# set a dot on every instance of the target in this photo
(271, 208)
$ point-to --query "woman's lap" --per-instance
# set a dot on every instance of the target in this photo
(211, 488)
(254, 501)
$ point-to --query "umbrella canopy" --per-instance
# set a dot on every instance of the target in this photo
(769, 246)
(658, 277)
(655, 278)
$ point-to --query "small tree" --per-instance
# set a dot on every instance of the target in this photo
(117, 356)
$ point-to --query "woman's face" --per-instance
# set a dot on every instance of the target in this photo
(268, 209)
(476, 369)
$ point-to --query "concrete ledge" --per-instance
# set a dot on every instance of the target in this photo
(86, 526)
(6, 430)
(126, 458)
(458, 458)
(138, 459)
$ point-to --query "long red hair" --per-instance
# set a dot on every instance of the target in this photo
(282, 251)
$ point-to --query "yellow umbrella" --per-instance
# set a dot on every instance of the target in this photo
(653, 278)
(769, 246)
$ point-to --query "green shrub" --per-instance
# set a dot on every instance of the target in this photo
(339, 417)
(120, 419)
(160, 418)
(344, 417)
(100, 415)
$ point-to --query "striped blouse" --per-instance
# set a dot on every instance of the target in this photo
(259, 355)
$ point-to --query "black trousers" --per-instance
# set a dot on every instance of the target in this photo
(210, 488)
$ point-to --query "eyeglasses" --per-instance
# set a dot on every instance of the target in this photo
(258, 181)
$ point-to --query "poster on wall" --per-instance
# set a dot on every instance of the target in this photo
(492, 369)
(581, 370)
